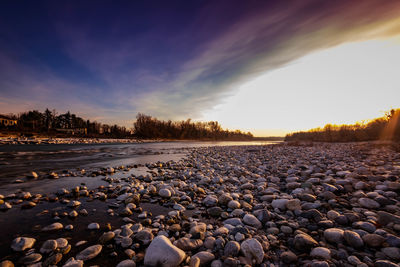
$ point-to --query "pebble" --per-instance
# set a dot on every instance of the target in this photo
(22, 243)
(89, 253)
(321, 253)
(53, 227)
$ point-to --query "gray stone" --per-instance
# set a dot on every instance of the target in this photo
(251, 220)
(252, 249)
(162, 252)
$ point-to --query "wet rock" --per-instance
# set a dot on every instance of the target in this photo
(53, 227)
(31, 258)
(93, 226)
(162, 251)
(5, 206)
(53, 259)
(48, 246)
(22, 243)
(89, 253)
(106, 237)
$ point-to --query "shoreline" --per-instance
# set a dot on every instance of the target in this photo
(320, 205)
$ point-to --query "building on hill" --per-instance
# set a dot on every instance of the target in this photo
(7, 121)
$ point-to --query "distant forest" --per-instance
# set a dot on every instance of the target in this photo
(51, 123)
(149, 127)
(383, 128)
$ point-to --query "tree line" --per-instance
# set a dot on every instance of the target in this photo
(52, 123)
(382, 128)
(153, 128)
(146, 127)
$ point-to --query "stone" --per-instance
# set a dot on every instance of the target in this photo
(392, 252)
(334, 235)
(22, 243)
(93, 226)
(233, 204)
(251, 220)
(385, 263)
(304, 242)
(215, 211)
(288, 257)
(30, 258)
(53, 259)
(162, 252)
(385, 218)
(204, 256)
(73, 263)
(106, 237)
(144, 236)
(373, 240)
(293, 204)
(126, 263)
(279, 204)
(165, 193)
(187, 244)
(252, 249)
(368, 203)
(353, 239)
(6, 263)
(48, 246)
(232, 249)
(53, 227)
(210, 201)
(321, 253)
(89, 253)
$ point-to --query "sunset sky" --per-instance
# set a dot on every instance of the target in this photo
(269, 67)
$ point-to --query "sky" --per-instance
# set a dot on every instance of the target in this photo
(269, 67)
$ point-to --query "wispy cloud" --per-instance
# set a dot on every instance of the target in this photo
(178, 70)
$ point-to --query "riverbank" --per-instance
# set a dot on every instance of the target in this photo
(319, 205)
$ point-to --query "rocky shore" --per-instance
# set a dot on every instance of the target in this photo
(277, 205)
